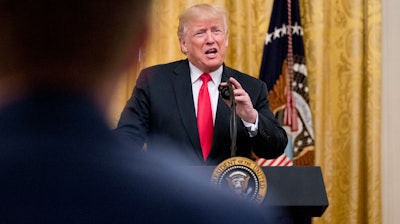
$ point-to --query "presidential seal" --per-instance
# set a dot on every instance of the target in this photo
(243, 177)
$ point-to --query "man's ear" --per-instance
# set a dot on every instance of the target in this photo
(129, 61)
(136, 43)
(182, 43)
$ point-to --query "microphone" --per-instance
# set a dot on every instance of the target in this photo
(224, 91)
(227, 93)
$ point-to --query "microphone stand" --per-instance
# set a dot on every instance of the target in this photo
(233, 124)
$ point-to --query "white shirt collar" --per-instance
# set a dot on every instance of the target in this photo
(195, 74)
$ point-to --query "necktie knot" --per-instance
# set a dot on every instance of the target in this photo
(205, 77)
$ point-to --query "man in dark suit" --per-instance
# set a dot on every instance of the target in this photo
(59, 162)
(164, 105)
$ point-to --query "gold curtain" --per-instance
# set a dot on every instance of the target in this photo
(343, 46)
(343, 52)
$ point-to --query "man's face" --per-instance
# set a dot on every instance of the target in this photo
(204, 43)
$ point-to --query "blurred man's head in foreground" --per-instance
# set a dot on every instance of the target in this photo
(74, 45)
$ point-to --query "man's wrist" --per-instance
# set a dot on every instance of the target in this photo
(253, 117)
(252, 128)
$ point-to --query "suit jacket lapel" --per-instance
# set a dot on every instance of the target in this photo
(184, 98)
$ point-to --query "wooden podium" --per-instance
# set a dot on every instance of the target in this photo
(299, 191)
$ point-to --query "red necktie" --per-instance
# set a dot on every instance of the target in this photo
(204, 117)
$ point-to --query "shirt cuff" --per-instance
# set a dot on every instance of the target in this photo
(252, 129)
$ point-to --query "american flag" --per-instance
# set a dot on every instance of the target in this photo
(284, 70)
(282, 160)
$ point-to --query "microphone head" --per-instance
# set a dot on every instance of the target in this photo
(226, 91)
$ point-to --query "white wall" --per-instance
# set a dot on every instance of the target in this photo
(391, 111)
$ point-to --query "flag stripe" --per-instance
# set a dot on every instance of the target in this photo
(282, 160)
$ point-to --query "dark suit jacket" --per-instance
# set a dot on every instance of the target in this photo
(59, 163)
(161, 111)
